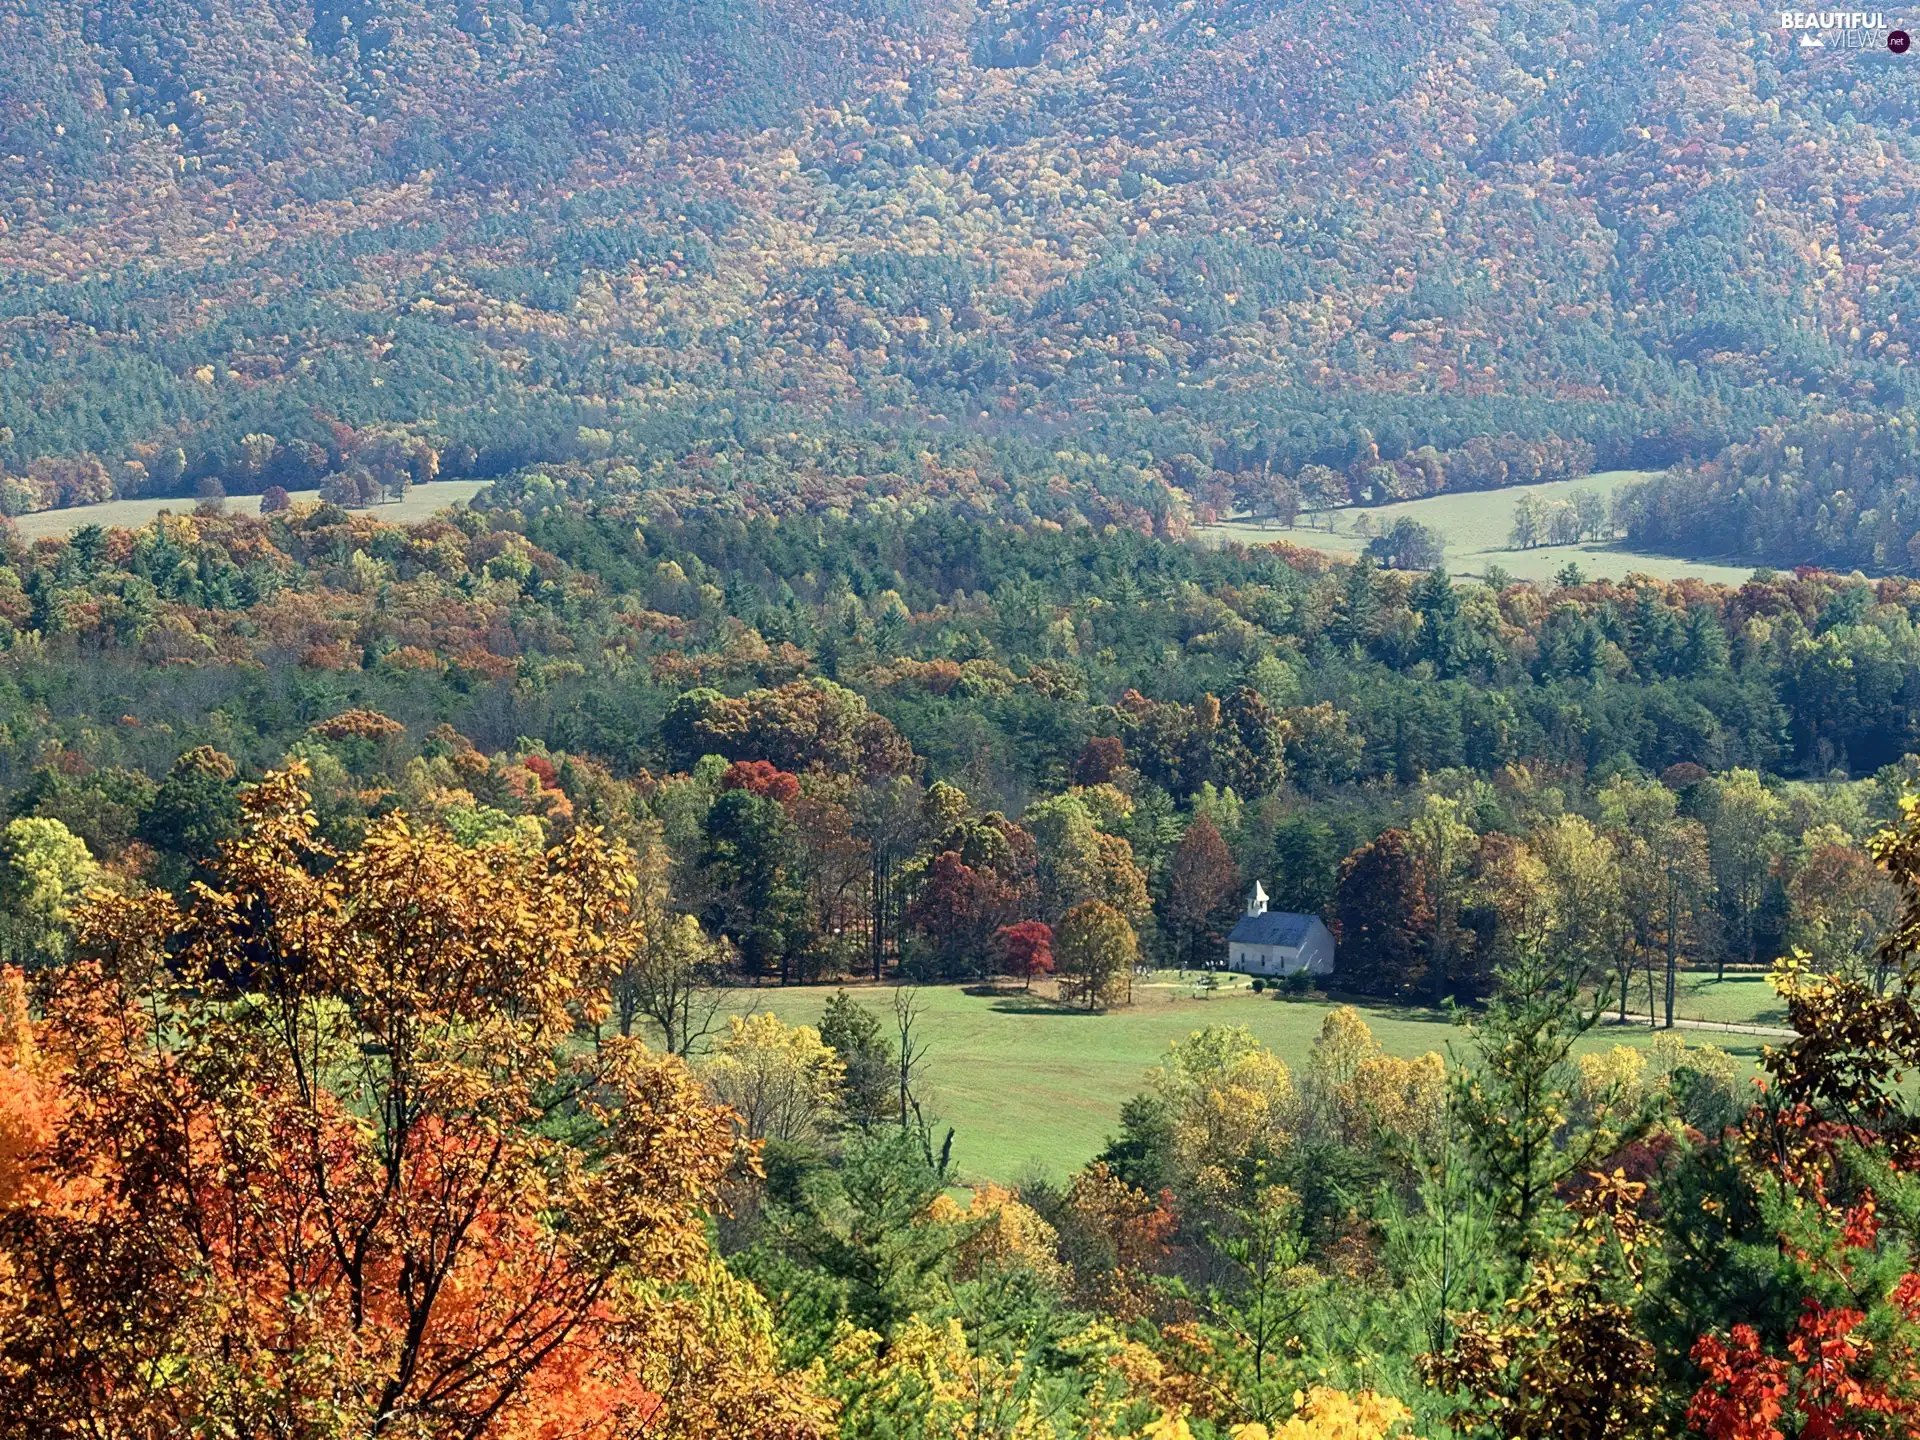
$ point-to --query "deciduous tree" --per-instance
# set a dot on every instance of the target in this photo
(1743, 841)
(1441, 846)
(296, 1182)
(1842, 906)
(1203, 886)
(782, 1081)
(1382, 916)
(1095, 951)
(1026, 949)
(195, 809)
(44, 870)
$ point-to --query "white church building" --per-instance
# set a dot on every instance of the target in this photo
(1275, 942)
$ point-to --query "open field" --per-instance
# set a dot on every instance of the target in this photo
(421, 502)
(1030, 1086)
(1474, 525)
(1744, 999)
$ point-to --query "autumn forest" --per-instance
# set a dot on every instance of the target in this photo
(498, 968)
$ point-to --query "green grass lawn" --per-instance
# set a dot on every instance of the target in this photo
(1474, 525)
(420, 503)
(1744, 999)
(1031, 1087)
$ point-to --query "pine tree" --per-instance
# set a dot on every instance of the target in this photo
(1514, 1102)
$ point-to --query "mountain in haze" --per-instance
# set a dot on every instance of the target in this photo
(1236, 234)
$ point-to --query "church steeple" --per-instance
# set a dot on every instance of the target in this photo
(1257, 900)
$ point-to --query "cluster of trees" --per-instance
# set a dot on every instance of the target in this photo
(1838, 492)
(309, 1153)
(1688, 871)
(847, 863)
(1580, 515)
(351, 467)
(1405, 545)
(861, 744)
(731, 223)
(350, 1136)
(1369, 478)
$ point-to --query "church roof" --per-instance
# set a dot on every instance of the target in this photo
(1275, 927)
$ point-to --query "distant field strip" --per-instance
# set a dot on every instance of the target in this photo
(421, 502)
(1474, 525)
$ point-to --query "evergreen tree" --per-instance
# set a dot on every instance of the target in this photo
(1514, 1101)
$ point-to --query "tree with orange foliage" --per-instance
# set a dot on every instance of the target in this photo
(359, 725)
(1114, 1235)
(762, 779)
(294, 1168)
(1831, 1168)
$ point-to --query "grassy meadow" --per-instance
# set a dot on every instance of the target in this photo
(1474, 525)
(422, 502)
(1740, 999)
(1031, 1086)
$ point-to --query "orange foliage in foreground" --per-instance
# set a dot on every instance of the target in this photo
(279, 1163)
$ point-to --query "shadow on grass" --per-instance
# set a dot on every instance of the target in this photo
(1038, 1005)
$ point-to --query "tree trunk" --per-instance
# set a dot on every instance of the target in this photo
(877, 910)
(1673, 966)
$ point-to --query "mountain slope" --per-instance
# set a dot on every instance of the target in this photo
(1236, 230)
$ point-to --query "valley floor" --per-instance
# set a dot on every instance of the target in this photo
(419, 504)
(1034, 1087)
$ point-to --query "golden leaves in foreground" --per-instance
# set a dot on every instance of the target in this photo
(1322, 1414)
(296, 1164)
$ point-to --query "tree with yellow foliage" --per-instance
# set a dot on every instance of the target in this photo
(1231, 1104)
(1095, 950)
(1352, 1091)
(1002, 1234)
(290, 1169)
(781, 1081)
(44, 870)
(1441, 844)
(1320, 1413)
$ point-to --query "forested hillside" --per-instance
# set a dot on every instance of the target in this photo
(495, 978)
(1839, 492)
(263, 242)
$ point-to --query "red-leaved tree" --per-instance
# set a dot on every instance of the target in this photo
(1026, 949)
(1832, 1166)
(760, 778)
